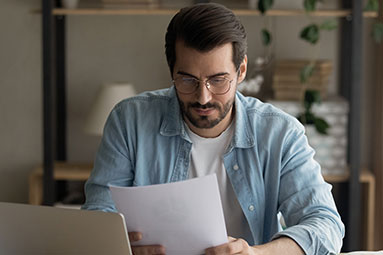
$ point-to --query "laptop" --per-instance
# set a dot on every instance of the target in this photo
(42, 230)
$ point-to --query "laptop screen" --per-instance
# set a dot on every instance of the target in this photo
(30, 229)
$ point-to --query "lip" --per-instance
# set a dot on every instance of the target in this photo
(204, 112)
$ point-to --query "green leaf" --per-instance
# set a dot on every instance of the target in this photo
(306, 118)
(321, 125)
(329, 25)
(310, 33)
(372, 5)
(306, 72)
(312, 96)
(377, 32)
(264, 5)
(266, 37)
(310, 5)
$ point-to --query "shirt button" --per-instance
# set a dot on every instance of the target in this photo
(235, 167)
(251, 208)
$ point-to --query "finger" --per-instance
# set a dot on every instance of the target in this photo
(236, 246)
(135, 236)
(148, 250)
(231, 239)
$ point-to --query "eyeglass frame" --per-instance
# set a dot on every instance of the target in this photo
(207, 85)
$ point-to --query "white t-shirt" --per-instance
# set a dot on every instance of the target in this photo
(207, 158)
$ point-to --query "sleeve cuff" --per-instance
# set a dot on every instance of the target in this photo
(305, 239)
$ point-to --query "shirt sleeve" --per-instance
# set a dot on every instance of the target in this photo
(306, 202)
(112, 165)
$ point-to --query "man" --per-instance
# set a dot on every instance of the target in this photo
(202, 125)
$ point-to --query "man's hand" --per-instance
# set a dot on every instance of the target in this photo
(147, 249)
(234, 246)
(280, 246)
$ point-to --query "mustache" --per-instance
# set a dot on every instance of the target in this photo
(204, 106)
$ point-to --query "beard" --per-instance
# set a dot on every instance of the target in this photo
(204, 121)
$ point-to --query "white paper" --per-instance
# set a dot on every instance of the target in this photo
(185, 217)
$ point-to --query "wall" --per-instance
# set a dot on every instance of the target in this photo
(104, 49)
(20, 96)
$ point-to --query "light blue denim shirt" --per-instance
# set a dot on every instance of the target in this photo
(269, 164)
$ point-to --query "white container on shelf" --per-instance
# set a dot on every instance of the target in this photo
(331, 149)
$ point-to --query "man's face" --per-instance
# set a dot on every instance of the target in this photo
(202, 109)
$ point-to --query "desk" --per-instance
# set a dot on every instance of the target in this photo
(80, 172)
(62, 172)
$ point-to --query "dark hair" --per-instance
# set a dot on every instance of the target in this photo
(204, 27)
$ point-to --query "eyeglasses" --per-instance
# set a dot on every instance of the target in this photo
(189, 85)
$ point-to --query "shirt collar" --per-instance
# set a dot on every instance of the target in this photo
(243, 134)
(172, 124)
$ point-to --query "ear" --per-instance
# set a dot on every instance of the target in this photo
(242, 70)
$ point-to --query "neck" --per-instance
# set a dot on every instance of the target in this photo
(216, 130)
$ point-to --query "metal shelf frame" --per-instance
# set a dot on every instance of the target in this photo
(54, 95)
(351, 88)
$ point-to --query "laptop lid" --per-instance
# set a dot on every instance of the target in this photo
(30, 229)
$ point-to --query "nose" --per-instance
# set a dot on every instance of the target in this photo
(203, 94)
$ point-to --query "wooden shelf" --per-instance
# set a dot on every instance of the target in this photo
(240, 12)
(319, 13)
(67, 171)
(106, 11)
(365, 177)
(336, 178)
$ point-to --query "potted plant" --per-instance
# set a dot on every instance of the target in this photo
(312, 97)
(311, 32)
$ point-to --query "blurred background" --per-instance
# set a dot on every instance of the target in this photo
(129, 49)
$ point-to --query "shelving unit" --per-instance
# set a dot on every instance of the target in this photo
(54, 87)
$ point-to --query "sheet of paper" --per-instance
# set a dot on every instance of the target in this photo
(185, 217)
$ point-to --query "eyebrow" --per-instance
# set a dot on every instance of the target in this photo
(210, 76)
